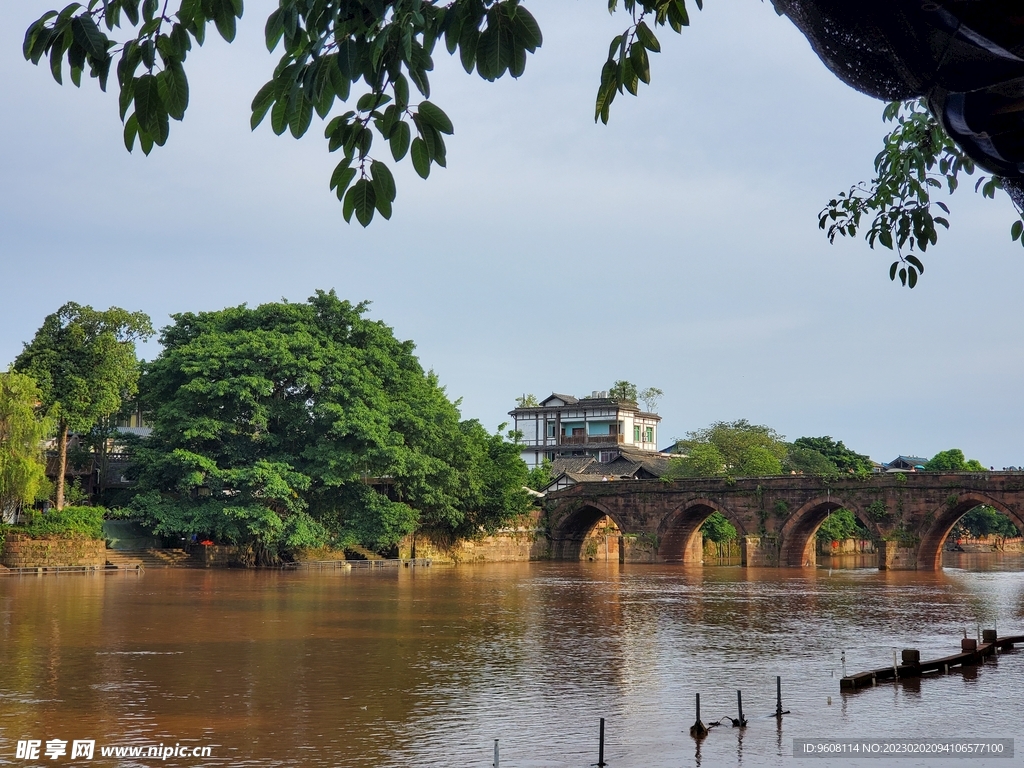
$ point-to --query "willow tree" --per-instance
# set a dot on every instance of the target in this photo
(24, 425)
(85, 365)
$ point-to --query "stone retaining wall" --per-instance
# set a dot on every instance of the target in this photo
(524, 542)
(21, 551)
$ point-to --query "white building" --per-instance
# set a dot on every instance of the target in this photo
(597, 426)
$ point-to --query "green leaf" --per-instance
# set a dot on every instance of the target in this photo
(1017, 229)
(400, 138)
(131, 130)
(647, 38)
(401, 86)
(300, 114)
(279, 116)
(911, 277)
(225, 21)
(274, 29)
(174, 90)
(148, 106)
(361, 200)
(892, 270)
(912, 259)
(433, 116)
(527, 30)
(89, 36)
(261, 104)
(342, 176)
(383, 181)
(420, 157)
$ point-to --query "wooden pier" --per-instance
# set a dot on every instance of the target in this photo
(971, 653)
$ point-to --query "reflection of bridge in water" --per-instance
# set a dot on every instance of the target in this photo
(908, 515)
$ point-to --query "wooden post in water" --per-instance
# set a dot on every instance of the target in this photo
(600, 750)
(778, 698)
(741, 723)
(495, 753)
(698, 730)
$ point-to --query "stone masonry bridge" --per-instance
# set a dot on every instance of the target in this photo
(909, 515)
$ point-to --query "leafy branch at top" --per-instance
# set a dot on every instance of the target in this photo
(628, 64)
(917, 158)
(330, 49)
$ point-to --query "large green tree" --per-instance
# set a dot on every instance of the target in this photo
(85, 365)
(953, 460)
(734, 448)
(375, 56)
(24, 425)
(300, 424)
(833, 451)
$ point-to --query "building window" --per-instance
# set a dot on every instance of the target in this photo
(636, 434)
(551, 429)
(649, 437)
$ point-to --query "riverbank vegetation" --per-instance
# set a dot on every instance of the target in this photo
(295, 425)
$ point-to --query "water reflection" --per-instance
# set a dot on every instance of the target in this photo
(429, 666)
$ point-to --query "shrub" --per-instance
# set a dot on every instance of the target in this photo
(76, 522)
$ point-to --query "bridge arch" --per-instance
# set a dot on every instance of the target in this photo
(929, 551)
(797, 537)
(678, 531)
(570, 532)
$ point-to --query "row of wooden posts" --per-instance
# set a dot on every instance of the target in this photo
(698, 730)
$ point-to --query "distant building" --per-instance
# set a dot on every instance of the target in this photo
(628, 464)
(597, 426)
(905, 464)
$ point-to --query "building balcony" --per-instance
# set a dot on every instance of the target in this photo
(592, 439)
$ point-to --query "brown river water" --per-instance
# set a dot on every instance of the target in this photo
(428, 666)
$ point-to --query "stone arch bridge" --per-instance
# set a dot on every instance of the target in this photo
(909, 515)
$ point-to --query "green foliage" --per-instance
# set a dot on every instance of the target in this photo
(878, 510)
(984, 521)
(80, 522)
(953, 461)
(807, 461)
(527, 401)
(24, 424)
(651, 396)
(539, 477)
(306, 424)
(736, 449)
(628, 63)
(84, 363)
(916, 158)
(354, 52)
(623, 390)
(718, 529)
(841, 524)
(700, 460)
(838, 454)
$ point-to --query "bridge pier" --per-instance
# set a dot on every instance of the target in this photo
(893, 557)
(760, 551)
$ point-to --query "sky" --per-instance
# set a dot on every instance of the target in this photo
(676, 247)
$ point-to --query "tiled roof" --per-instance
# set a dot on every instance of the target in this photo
(571, 464)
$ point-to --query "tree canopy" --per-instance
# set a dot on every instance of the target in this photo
(24, 424)
(735, 448)
(833, 451)
(85, 365)
(305, 424)
(375, 57)
(953, 460)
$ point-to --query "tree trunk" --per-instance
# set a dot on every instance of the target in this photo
(62, 461)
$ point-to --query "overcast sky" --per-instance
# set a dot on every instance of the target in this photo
(676, 247)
